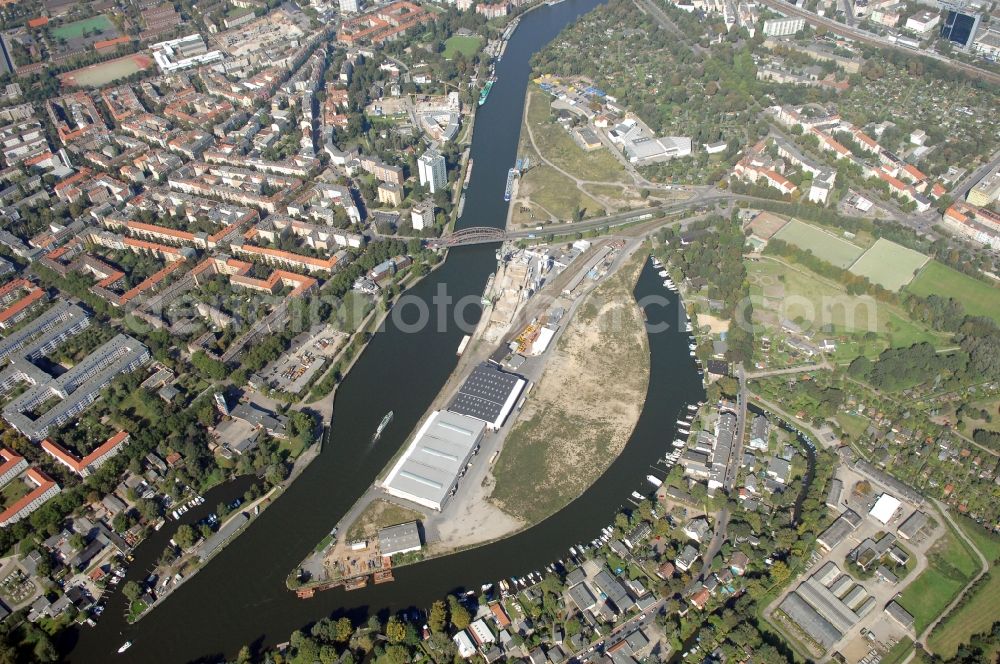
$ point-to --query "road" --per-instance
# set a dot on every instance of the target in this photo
(869, 38)
(660, 16)
(963, 187)
(594, 649)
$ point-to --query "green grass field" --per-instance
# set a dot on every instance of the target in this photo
(822, 244)
(889, 265)
(854, 425)
(978, 297)
(76, 29)
(556, 193)
(467, 46)
(978, 613)
(797, 293)
(950, 567)
(558, 146)
(899, 651)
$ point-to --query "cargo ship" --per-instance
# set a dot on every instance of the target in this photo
(382, 425)
(468, 174)
(485, 92)
(511, 174)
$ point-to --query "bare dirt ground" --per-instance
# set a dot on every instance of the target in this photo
(717, 325)
(582, 412)
(474, 521)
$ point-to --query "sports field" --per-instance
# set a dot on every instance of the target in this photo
(889, 265)
(978, 297)
(76, 29)
(106, 72)
(467, 46)
(822, 244)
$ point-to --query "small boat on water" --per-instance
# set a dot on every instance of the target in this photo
(654, 480)
(638, 496)
(125, 646)
(663, 273)
(679, 443)
(692, 407)
(382, 425)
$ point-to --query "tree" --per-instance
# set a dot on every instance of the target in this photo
(343, 630)
(438, 617)
(780, 572)
(395, 631)
(395, 654)
(185, 536)
(460, 618)
(132, 590)
(44, 650)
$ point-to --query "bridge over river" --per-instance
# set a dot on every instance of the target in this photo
(487, 235)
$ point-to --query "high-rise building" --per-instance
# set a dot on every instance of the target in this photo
(350, 6)
(432, 170)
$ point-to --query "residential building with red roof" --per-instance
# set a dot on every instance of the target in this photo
(13, 465)
(88, 464)
(19, 310)
(45, 488)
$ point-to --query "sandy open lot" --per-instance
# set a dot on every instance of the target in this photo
(582, 411)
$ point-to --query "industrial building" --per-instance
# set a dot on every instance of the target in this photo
(428, 471)
(839, 529)
(912, 526)
(816, 605)
(488, 394)
(885, 508)
(401, 538)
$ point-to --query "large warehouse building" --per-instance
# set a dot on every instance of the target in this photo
(428, 470)
(488, 394)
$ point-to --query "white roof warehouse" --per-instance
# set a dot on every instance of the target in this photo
(428, 470)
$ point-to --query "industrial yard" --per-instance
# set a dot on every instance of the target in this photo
(845, 601)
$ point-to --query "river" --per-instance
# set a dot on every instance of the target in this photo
(240, 596)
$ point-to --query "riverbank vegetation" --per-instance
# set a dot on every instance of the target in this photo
(573, 426)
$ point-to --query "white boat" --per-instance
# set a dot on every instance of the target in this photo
(125, 646)
(666, 284)
(692, 407)
(638, 496)
(663, 273)
(382, 425)
(691, 353)
(679, 443)
(654, 480)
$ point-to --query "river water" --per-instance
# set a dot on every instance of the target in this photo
(240, 596)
